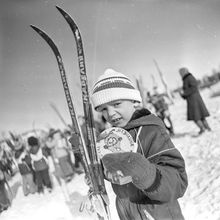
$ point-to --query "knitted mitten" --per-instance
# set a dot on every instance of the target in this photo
(143, 173)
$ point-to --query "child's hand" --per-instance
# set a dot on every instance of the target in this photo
(131, 164)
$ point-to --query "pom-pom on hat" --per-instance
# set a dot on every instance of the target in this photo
(113, 86)
(32, 141)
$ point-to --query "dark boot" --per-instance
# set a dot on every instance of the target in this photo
(206, 125)
(201, 126)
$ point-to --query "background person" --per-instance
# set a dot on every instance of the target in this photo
(196, 109)
(161, 106)
(40, 165)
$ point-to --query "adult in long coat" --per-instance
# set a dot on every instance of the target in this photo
(196, 109)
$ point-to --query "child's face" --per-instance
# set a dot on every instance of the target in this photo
(118, 113)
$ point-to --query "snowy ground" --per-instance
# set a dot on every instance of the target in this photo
(201, 201)
(54, 205)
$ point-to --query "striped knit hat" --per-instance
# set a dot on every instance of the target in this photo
(113, 86)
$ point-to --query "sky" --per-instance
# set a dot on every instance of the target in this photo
(125, 35)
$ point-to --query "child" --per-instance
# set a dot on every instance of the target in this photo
(159, 102)
(23, 160)
(157, 168)
(40, 165)
(61, 156)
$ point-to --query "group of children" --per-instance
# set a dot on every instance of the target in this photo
(40, 158)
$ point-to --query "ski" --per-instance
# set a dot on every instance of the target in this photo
(100, 189)
(97, 191)
(76, 127)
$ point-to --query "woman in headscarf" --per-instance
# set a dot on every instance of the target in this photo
(196, 109)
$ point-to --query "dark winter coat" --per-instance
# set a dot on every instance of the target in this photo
(160, 199)
(196, 109)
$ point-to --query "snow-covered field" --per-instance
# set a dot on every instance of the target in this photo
(201, 201)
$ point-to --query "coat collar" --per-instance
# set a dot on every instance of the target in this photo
(140, 113)
(143, 117)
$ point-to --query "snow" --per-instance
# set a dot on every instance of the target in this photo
(55, 205)
(201, 200)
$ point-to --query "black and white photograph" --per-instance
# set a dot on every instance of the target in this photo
(110, 110)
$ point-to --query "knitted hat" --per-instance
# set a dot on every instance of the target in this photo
(32, 141)
(113, 86)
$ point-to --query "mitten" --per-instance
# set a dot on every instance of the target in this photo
(142, 172)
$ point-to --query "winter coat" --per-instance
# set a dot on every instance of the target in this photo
(58, 147)
(196, 109)
(39, 161)
(170, 183)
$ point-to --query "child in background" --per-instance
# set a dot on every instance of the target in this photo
(160, 104)
(23, 160)
(40, 165)
(61, 155)
(157, 168)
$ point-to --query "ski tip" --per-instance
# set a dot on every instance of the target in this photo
(68, 18)
(60, 9)
(35, 28)
(38, 30)
(64, 14)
